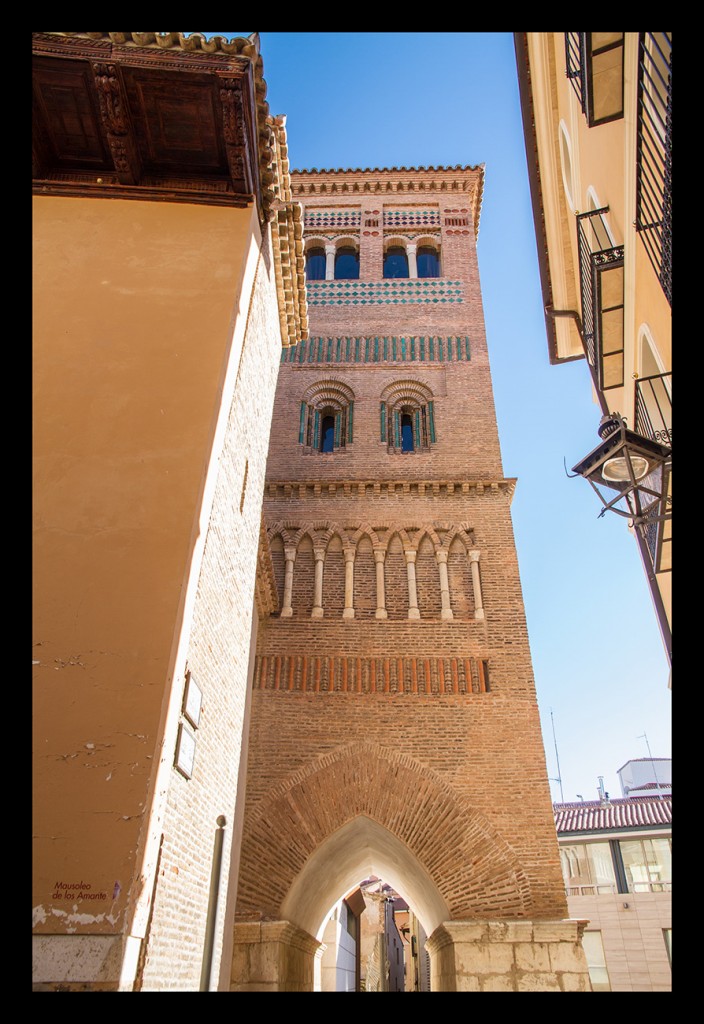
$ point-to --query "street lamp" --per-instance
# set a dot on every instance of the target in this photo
(639, 470)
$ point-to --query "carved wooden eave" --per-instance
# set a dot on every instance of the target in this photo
(314, 488)
(266, 596)
(151, 115)
(287, 240)
(401, 182)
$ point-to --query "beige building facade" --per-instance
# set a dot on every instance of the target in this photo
(167, 277)
(597, 112)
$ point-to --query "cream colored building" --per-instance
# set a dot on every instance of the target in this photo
(597, 111)
(616, 860)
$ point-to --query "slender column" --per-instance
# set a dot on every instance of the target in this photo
(317, 612)
(287, 610)
(476, 584)
(413, 611)
(411, 250)
(330, 261)
(446, 612)
(381, 612)
(348, 612)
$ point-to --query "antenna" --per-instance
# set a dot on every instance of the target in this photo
(557, 758)
(644, 736)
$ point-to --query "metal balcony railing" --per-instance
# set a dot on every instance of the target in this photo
(653, 419)
(601, 288)
(654, 153)
(594, 63)
(653, 405)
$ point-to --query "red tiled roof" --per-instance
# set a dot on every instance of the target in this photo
(628, 812)
(653, 785)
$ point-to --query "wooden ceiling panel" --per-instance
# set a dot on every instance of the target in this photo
(140, 122)
(66, 115)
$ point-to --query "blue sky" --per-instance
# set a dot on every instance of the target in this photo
(437, 98)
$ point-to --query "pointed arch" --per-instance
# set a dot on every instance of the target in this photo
(426, 530)
(459, 533)
(294, 835)
(427, 574)
(365, 529)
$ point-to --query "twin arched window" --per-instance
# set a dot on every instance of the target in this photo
(345, 266)
(397, 264)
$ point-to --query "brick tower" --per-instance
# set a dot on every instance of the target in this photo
(395, 727)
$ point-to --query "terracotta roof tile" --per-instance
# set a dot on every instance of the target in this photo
(628, 812)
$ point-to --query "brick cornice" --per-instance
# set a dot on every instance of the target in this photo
(406, 182)
(314, 488)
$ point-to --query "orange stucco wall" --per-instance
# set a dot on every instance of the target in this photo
(134, 307)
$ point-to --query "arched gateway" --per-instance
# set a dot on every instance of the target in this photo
(394, 725)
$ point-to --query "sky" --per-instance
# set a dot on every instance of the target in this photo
(429, 99)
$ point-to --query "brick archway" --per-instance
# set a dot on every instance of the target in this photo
(468, 865)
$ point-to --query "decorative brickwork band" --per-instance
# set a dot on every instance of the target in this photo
(432, 570)
(375, 349)
(340, 673)
(393, 292)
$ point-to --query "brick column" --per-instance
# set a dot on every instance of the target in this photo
(381, 612)
(446, 613)
(287, 610)
(348, 612)
(476, 584)
(413, 611)
(317, 612)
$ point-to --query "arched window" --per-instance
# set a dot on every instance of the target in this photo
(326, 417)
(396, 262)
(406, 430)
(327, 431)
(428, 262)
(407, 417)
(346, 264)
(315, 264)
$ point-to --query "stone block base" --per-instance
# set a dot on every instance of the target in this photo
(508, 956)
(273, 956)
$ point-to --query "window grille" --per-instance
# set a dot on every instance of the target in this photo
(654, 153)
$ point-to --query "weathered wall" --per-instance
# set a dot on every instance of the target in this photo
(218, 657)
(135, 305)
